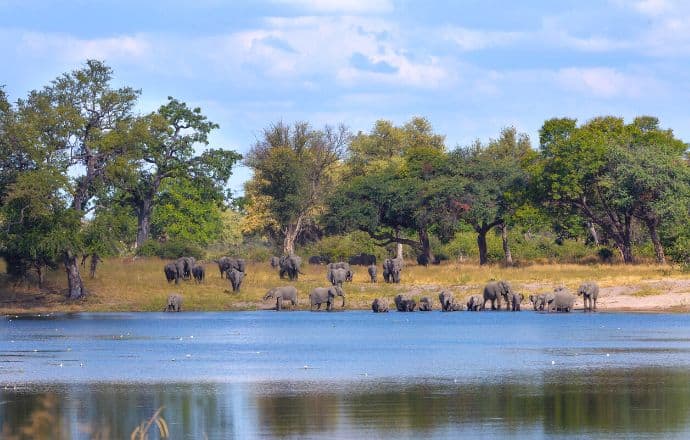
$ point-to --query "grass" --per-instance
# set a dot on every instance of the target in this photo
(123, 284)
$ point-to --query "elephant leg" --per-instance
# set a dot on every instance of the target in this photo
(595, 303)
(279, 303)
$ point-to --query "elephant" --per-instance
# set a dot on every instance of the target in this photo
(496, 290)
(404, 303)
(227, 263)
(235, 276)
(425, 304)
(447, 300)
(290, 265)
(475, 303)
(326, 295)
(380, 305)
(184, 267)
(458, 306)
(362, 260)
(342, 265)
(174, 303)
(589, 292)
(391, 270)
(372, 273)
(180, 266)
(318, 259)
(563, 301)
(275, 262)
(515, 300)
(280, 294)
(199, 273)
(171, 274)
(534, 299)
(337, 276)
(544, 299)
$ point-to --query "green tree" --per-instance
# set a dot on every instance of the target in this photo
(168, 140)
(294, 168)
(496, 182)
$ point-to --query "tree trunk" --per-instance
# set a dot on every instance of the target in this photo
(483, 251)
(593, 233)
(291, 233)
(143, 222)
(506, 245)
(75, 286)
(658, 247)
(427, 254)
(398, 246)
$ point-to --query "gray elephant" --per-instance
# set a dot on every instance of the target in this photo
(496, 290)
(337, 276)
(515, 301)
(321, 295)
(534, 299)
(392, 267)
(275, 262)
(290, 267)
(589, 292)
(199, 273)
(404, 303)
(342, 265)
(227, 263)
(184, 267)
(281, 294)
(447, 300)
(544, 299)
(563, 301)
(174, 303)
(180, 266)
(236, 277)
(425, 304)
(380, 305)
(171, 274)
(372, 273)
(475, 303)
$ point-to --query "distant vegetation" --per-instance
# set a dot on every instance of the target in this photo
(81, 173)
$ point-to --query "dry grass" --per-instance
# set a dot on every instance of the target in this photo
(126, 285)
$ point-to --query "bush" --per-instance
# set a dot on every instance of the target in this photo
(170, 249)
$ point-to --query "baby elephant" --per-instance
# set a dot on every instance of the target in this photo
(380, 305)
(589, 292)
(475, 303)
(372, 273)
(404, 303)
(174, 303)
(280, 294)
(198, 272)
(563, 301)
(515, 301)
(425, 304)
(235, 276)
(447, 300)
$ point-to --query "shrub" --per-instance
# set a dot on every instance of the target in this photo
(170, 249)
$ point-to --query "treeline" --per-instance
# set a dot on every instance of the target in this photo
(81, 173)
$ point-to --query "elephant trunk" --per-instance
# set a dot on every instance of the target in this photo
(343, 302)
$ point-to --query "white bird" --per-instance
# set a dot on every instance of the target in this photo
(553, 362)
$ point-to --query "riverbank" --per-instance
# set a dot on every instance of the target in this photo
(139, 285)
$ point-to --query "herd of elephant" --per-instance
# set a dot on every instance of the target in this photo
(560, 300)
(288, 266)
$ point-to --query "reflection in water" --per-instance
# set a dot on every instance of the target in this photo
(637, 402)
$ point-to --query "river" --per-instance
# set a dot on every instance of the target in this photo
(346, 375)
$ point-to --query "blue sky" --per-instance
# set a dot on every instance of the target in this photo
(471, 67)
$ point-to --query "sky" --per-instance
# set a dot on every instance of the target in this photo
(470, 67)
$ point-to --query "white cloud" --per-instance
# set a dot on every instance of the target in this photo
(472, 39)
(347, 6)
(75, 49)
(605, 82)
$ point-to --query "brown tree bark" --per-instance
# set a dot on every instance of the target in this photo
(75, 285)
(652, 225)
(506, 245)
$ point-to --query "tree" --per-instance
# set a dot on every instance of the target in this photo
(293, 169)
(397, 185)
(82, 125)
(496, 180)
(611, 174)
(167, 143)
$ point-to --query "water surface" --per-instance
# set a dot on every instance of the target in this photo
(346, 375)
